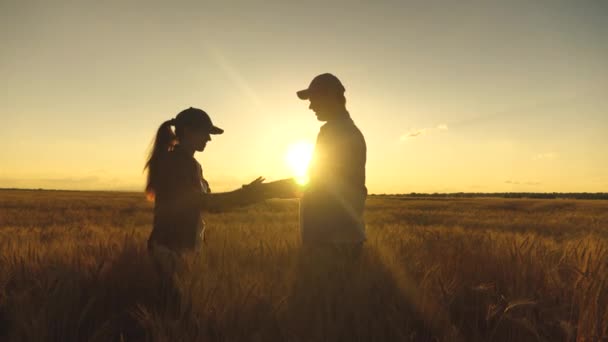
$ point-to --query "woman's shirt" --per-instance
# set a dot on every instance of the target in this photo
(178, 219)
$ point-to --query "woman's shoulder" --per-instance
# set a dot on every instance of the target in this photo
(175, 161)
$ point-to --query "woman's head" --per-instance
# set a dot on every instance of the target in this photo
(193, 129)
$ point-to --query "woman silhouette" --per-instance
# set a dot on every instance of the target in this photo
(181, 193)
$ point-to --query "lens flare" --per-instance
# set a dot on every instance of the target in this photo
(297, 158)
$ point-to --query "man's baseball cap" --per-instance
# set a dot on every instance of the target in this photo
(197, 118)
(322, 84)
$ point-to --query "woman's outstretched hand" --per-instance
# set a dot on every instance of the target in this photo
(256, 183)
(257, 190)
(254, 191)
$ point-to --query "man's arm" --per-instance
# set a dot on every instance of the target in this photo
(284, 188)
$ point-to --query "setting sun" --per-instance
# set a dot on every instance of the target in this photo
(298, 157)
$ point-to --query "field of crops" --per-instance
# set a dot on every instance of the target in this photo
(74, 267)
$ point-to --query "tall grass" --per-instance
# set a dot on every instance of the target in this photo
(73, 267)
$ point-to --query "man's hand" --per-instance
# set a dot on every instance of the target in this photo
(284, 188)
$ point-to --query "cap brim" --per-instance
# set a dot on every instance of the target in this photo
(216, 130)
(303, 94)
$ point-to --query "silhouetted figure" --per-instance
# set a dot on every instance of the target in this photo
(327, 284)
(181, 193)
(331, 209)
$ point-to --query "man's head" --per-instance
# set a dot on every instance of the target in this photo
(326, 95)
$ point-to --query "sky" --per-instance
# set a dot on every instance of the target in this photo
(472, 96)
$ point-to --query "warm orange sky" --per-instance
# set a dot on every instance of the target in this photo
(473, 96)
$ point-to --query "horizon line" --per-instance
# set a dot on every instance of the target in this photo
(413, 194)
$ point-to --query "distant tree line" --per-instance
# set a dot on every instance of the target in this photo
(547, 195)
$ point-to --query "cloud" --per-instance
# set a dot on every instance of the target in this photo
(422, 132)
(546, 156)
(417, 133)
(413, 134)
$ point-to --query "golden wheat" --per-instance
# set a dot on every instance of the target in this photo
(74, 267)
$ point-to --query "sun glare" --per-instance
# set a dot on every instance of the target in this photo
(298, 157)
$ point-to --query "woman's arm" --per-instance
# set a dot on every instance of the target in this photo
(248, 194)
(217, 202)
(251, 193)
(254, 192)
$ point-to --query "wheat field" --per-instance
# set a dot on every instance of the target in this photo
(74, 267)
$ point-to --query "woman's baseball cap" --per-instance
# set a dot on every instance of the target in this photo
(194, 117)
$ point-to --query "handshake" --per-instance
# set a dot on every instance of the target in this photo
(284, 188)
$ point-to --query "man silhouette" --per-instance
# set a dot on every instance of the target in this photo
(331, 208)
(331, 214)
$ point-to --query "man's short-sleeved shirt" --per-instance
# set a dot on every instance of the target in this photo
(178, 221)
(331, 209)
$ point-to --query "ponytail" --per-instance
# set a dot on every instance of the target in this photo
(163, 143)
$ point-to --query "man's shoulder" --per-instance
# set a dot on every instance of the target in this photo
(345, 128)
(339, 125)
